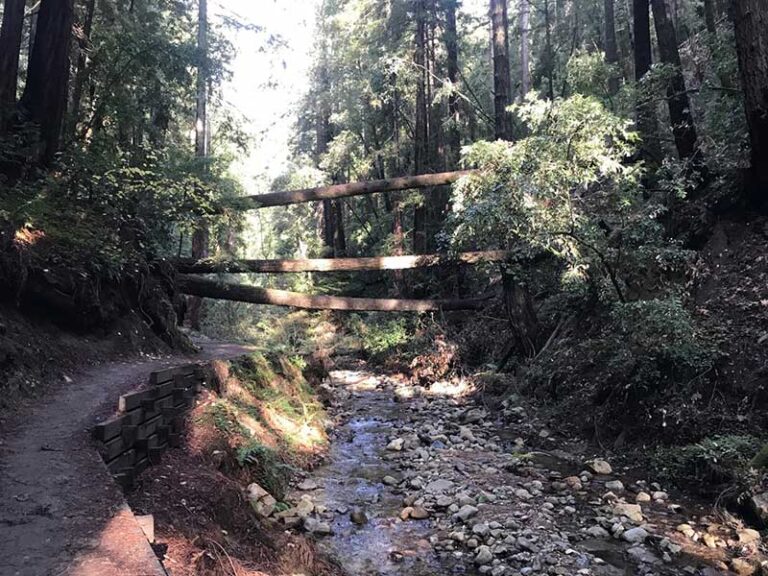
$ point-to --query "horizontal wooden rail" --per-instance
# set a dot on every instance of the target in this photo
(212, 266)
(341, 191)
(193, 286)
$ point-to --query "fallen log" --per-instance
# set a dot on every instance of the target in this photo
(341, 191)
(240, 293)
(212, 266)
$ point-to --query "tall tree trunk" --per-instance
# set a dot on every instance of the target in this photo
(452, 68)
(525, 54)
(611, 47)
(45, 95)
(517, 296)
(751, 25)
(709, 17)
(10, 47)
(549, 54)
(501, 78)
(201, 116)
(421, 127)
(200, 235)
(82, 63)
(680, 113)
(646, 115)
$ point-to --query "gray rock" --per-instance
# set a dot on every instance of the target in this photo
(308, 485)
(631, 511)
(599, 466)
(598, 532)
(635, 535)
(466, 512)
(483, 556)
(315, 526)
(615, 486)
(439, 486)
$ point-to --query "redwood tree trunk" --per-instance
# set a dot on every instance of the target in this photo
(646, 116)
(82, 63)
(611, 47)
(501, 79)
(751, 24)
(452, 68)
(45, 94)
(525, 53)
(10, 46)
(680, 114)
(709, 17)
(421, 126)
(200, 236)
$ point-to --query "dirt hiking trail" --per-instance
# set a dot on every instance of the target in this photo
(56, 497)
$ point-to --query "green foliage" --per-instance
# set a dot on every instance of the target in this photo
(716, 460)
(255, 371)
(588, 74)
(653, 346)
(270, 471)
(379, 339)
(566, 189)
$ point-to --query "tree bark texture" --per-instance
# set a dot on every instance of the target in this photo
(10, 48)
(751, 25)
(241, 293)
(337, 264)
(501, 77)
(45, 95)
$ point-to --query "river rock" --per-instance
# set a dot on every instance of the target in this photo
(419, 513)
(396, 445)
(304, 507)
(615, 486)
(748, 536)
(262, 502)
(635, 535)
(438, 486)
(390, 481)
(315, 526)
(483, 556)
(307, 485)
(744, 567)
(642, 555)
(474, 415)
(631, 511)
(573, 482)
(466, 512)
(358, 516)
(599, 466)
(598, 532)
(642, 497)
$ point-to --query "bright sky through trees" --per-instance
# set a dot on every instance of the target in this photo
(267, 82)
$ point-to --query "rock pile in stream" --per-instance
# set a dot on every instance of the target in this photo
(495, 507)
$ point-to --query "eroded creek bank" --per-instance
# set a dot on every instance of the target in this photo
(419, 482)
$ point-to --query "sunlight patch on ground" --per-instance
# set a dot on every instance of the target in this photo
(355, 380)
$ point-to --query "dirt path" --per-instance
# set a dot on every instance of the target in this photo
(55, 494)
(419, 482)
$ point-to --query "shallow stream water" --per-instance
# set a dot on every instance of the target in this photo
(352, 478)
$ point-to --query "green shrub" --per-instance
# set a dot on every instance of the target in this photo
(715, 461)
(652, 344)
(270, 471)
